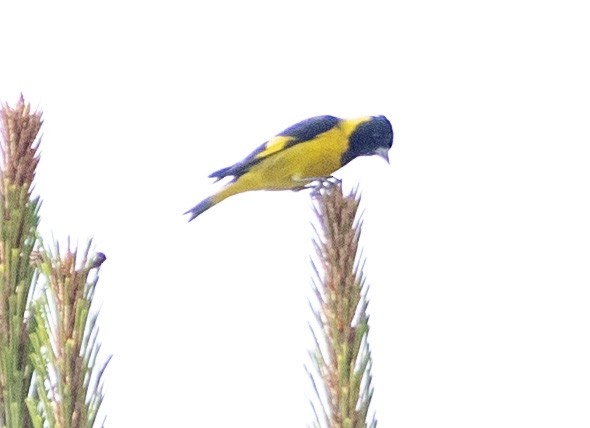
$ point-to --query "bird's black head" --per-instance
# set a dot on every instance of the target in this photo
(373, 137)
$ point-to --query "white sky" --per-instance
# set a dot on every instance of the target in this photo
(477, 235)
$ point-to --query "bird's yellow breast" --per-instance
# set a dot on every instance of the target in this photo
(303, 162)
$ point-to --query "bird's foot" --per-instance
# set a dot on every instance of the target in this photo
(324, 184)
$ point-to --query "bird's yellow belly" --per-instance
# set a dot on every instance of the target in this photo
(293, 168)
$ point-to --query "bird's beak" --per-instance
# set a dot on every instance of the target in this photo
(383, 153)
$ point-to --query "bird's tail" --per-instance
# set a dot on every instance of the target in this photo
(224, 193)
(200, 208)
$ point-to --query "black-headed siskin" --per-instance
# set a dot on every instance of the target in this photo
(308, 151)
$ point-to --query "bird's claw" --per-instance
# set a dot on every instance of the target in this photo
(324, 184)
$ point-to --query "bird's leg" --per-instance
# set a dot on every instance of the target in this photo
(308, 182)
(305, 183)
(317, 184)
(332, 181)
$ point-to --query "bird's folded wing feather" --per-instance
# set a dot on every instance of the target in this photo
(299, 133)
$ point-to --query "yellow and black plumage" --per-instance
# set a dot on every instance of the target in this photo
(308, 151)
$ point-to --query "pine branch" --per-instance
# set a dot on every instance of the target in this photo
(49, 375)
(342, 357)
(69, 378)
(19, 218)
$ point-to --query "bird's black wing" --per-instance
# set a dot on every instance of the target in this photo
(303, 131)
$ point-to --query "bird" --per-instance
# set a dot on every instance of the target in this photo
(307, 152)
